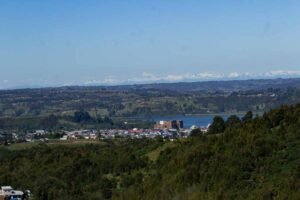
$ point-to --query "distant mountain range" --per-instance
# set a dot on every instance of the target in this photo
(230, 85)
(220, 85)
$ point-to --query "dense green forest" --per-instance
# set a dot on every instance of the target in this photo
(257, 157)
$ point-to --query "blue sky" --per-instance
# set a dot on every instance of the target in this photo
(77, 42)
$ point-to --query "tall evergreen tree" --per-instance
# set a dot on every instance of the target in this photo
(232, 120)
(218, 125)
(248, 116)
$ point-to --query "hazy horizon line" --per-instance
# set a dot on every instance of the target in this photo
(146, 83)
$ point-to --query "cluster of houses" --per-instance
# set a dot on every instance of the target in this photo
(80, 134)
(120, 133)
(165, 129)
(138, 133)
(22, 137)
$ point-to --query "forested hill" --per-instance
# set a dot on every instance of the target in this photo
(150, 100)
(257, 158)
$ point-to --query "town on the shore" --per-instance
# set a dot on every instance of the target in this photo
(165, 129)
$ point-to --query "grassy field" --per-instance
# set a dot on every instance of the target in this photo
(153, 155)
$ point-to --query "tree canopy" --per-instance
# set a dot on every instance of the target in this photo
(254, 160)
(217, 126)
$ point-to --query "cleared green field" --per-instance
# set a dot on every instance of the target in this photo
(153, 155)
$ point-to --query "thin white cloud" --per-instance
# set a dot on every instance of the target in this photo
(207, 75)
(283, 73)
(110, 80)
(104, 81)
(147, 77)
(234, 75)
(150, 77)
(173, 77)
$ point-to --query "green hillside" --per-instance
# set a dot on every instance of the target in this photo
(254, 159)
(259, 159)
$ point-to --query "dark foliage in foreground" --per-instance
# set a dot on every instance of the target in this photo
(254, 159)
(92, 171)
(259, 159)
